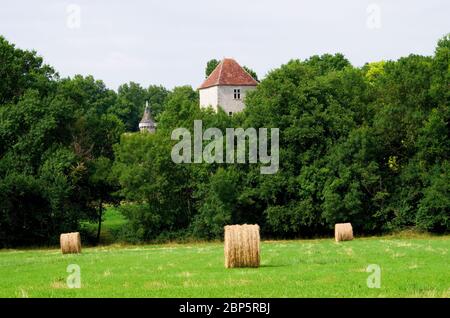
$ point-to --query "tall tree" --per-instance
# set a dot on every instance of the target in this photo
(21, 70)
(130, 104)
(210, 66)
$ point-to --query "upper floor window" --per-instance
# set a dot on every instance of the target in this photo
(237, 93)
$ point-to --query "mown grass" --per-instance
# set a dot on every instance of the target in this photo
(415, 266)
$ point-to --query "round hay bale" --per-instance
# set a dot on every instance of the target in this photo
(70, 242)
(343, 232)
(242, 246)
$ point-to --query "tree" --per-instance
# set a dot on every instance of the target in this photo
(103, 185)
(374, 70)
(156, 96)
(21, 70)
(130, 104)
(157, 189)
(327, 63)
(54, 133)
(131, 100)
(210, 66)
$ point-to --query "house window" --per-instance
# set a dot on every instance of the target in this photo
(230, 113)
(237, 93)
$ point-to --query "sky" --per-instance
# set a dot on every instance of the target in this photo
(169, 42)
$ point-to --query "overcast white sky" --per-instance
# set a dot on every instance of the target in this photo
(169, 42)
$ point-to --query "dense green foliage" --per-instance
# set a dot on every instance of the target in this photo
(55, 155)
(130, 102)
(210, 66)
(56, 146)
(365, 145)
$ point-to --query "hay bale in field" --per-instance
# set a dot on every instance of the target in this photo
(343, 232)
(242, 246)
(70, 242)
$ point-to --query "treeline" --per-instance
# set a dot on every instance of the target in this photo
(56, 145)
(365, 145)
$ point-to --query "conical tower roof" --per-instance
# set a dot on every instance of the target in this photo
(147, 117)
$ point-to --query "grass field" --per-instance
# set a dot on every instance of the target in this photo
(416, 266)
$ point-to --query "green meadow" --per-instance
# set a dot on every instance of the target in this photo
(411, 266)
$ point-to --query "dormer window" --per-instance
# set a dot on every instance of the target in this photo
(237, 93)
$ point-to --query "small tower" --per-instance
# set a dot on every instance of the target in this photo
(147, 124)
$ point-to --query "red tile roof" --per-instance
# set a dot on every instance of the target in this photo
(229, 72)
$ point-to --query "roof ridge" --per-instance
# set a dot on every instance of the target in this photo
(220, 71)
(248, 73)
